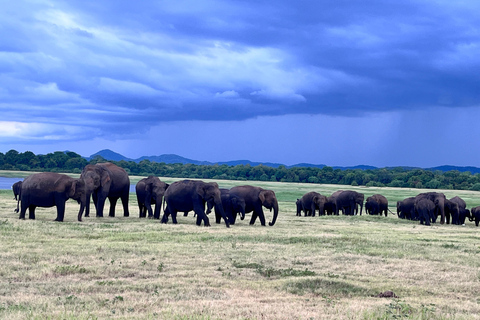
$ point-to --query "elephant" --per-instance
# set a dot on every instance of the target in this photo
(255, 198)
(406, 209)
(330, 204)
(456, 206)
(49, 189)
(439, 201)
(475, 215)
(102, 181)
(150, 191)
(188, 195)
(347, 201)
(299, 205)
(17, 190)
(376, 205)
(425, 210)
(312, 201)
(232, 205)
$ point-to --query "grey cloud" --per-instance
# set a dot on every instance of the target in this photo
(222, 60)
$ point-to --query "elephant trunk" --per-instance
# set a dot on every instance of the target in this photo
(219, 208)
(275, 213)
(158, 206)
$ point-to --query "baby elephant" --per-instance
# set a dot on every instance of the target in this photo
(475, 215)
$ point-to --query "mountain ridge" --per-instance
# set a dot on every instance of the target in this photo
(108, 154)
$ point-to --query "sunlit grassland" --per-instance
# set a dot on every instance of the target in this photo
(301, 268)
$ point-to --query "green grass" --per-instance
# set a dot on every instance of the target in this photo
(302, 268)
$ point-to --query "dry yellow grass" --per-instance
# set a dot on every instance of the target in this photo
(302, 268)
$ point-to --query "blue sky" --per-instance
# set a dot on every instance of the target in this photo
(380, 83)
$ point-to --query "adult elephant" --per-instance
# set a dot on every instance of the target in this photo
(232, 205)
(49, 189)
(348, 201)
(376, 205)
(425, 210)
(475, 215)
(102, 181)
(312, 201)
(438, 199)
(255, 198)
(406, 209)
(188, 195)
(150, 192)
(17, 191)
(456, 207)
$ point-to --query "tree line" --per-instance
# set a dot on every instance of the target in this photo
(392, 177)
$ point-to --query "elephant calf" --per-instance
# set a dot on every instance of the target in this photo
(475, 215)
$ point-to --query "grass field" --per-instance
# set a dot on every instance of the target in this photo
(302, 268)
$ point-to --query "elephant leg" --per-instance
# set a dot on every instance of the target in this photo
(31, 212)
(99, 206)
(218, 217)
(261, 215)
(126, 212)
(113, 203)
(173, 213)
(140, 211)
(158, 207)
(312, 209)
(165, 214)
(254, 217)
(60, 211)
(200, 212)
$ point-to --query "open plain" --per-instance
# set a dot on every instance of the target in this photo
(329, 267)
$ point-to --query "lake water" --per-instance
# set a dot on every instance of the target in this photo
(6, 183)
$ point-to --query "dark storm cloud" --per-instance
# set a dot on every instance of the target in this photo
(119, 63)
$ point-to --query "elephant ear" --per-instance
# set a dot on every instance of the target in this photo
(201, 191)
(104, 176)
(73, 188)
(261, 195)
(148, 187)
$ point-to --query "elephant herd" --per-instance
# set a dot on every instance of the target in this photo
(425, 207)
(104, 181)
(108, 181)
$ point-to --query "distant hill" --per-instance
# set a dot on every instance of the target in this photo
(109, 155)
(173, 158)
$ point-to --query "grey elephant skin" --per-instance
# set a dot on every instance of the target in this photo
(438, 199)
(406, 209)
(425, 210)
(475, 215)
(150, 191)
(255, 199)
(232, 205)
(102, 181)
(376, 204)
(310, 202)
(49, 189)
(348, 201)
(17, 192)
(188, 195)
